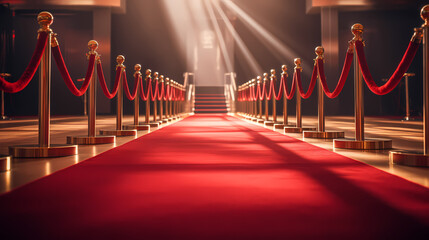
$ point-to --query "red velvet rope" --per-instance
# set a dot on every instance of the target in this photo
(312, 82)
(29, 72)
(258, 92)
(279, 95)
(252, 93)
(289, 95)
(102, 81)
(59, 60)
(161, 92)
(126, 88)
(144, 96)
(263, 92)
(396, 76)
(344, 73)
(270, 94)
(154, 92)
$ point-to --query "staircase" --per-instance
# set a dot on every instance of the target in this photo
(210, 100)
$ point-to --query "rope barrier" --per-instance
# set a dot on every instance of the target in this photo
(143, 96)
(297, 77)
(344, 74)
(289, 95)
(279, 95)
(56, 52)
(396, 76)
(126, 88)
(102, 81)
(29, 72)
(154, 92)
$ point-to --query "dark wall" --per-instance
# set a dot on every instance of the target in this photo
(143, 35)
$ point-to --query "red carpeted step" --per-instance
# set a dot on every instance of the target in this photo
(217, 177)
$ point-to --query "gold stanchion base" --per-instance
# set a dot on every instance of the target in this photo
(248, 117)
(281, 126)
(260, 120)
(409, 158)
(255, 119)
(5, 163)
(164, 121)
(4, 118)
(119, 133)
(87, 140)
(153, 124)
(138, 127)
(297, 129)
(367, 144)
(35, 151)
(267, 122)
(323, 135)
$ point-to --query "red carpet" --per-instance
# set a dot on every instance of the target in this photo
(217, 177)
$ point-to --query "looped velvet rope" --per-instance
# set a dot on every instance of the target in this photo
(297, 77)
(344, 73)
(396, 76)
(126, 88)
(102, 81)
(289, 95)
(59, 60)
(29, 72)
(144, 96)
(154, 92)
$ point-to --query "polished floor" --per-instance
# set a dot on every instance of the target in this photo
(406, 135)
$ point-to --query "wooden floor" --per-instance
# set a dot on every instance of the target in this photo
(406, 135)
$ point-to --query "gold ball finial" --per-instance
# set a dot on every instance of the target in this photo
(284, 68)
(137, 67)
(120, 59)
(45, 19)
(93, 45)
(273, 71)
(155, 74)
(265, 75)
(148, 72)
(357, 30)
(258, 79)
(161, 78)
(297, 62)
(319, 50)
(167, 80)
(424, 14)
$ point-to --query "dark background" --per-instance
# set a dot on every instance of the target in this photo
(144, 36)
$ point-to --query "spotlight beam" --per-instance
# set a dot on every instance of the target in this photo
(255, 67)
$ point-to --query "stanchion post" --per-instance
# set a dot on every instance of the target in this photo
(155, 109)
(120, 98)
(357, 30)
(407, 96)
(147, 78)
(273, 79)
(138, 73)
(267, 115)
(298, 116)
(258, 83)
(45, 84)
(254, 103)
(167, 84)
(161, 103)
(3, 115)
(92, 45)
(285, 115)
(320, 95)
(425, 16)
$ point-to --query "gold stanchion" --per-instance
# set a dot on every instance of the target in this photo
(137, 124)
(298, 127)
(119, 132)
(254, 116)
(91, 138)
(167, 102)
(409, 158)
(360, 142)
(2, 114)
(281, 125)
(267, 115)
(44, 148)
(407, 97)
(321, 133)
(259, 114)
(161, 102)
(273, 80)
(155, 102)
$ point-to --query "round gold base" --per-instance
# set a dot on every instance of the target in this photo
(248, 117)
(280, 125)
(164, 121)
(367, 144)
(87, 140)
(268, 123)
(138, 127)
(5, 163)
(35, 151)
(297, 129)
(255, 119)
(323, 135)
(153, 124)
(409, 158)
(119, 133)
(260, 120)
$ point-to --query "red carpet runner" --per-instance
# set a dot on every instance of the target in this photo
(217, 177)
